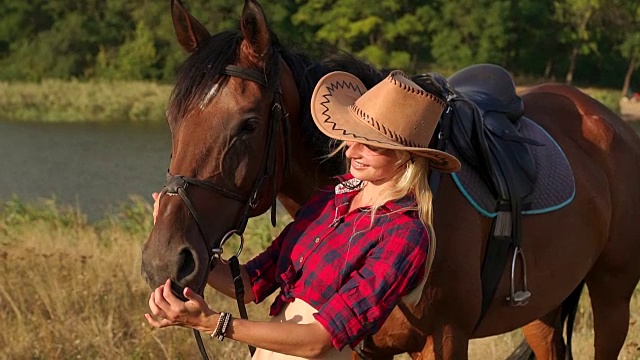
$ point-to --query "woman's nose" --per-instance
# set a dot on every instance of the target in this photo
(352, 149)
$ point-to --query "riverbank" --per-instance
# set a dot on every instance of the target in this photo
(75, 101)
(76, 287)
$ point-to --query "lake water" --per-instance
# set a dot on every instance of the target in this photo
(92, 166)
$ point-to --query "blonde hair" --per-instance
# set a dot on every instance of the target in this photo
(414, 179)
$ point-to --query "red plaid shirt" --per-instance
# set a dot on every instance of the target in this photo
(352, 272)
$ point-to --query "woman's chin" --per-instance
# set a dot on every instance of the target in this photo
(358, 173)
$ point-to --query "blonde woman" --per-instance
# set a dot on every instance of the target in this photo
(355, 249)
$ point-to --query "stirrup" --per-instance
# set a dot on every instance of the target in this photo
(521, 297)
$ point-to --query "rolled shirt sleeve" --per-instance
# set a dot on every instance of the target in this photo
(395, 267)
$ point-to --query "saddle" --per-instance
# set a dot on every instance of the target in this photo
(486, 134)
(483, 126)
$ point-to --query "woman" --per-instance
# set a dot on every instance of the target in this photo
(354, 250)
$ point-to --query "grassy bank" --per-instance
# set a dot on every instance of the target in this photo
(70, 289)
(63, 101)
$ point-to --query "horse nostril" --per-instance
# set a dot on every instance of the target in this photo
(186, 265)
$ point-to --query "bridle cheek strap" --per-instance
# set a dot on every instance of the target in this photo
(177, 185)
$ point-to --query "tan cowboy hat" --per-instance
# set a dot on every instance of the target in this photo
(395, 114)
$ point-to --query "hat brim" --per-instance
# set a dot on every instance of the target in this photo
(330, 103)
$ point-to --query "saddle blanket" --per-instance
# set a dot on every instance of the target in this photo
(554, 187)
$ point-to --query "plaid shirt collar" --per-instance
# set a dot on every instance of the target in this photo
(349, 186)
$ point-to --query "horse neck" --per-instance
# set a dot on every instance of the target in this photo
(307, 171)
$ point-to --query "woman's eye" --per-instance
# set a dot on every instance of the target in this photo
(375, 149)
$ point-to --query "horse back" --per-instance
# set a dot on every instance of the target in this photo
(603, 150)
(568, 106)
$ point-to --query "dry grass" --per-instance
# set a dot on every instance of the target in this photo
(69, 289)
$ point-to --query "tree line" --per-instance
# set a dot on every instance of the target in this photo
(589, 42)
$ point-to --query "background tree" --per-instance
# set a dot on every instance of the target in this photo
(389, 33)
(471, 31)
(533, 46)
(591, 42)
(630, 47)
(577, 17)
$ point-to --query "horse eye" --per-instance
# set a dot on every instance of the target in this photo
(249, 126)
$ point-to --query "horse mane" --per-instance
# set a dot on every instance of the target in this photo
(202, 70)
(307, 73)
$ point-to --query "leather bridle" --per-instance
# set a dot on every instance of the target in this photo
(177, 185)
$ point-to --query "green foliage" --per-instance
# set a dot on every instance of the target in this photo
(134, 60)
(133, 216)
(469, 31)
(15, 212)
(388, 33)
(630, 20)
(578, 18)
(125, 40)
(74, 101)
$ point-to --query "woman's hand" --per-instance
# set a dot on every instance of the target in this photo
(168, 310)
(156, 204)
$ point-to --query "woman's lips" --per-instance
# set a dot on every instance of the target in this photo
(357, 165)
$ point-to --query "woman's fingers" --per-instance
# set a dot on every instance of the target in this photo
(155, 310)
(196, 302)
(168, 310)
(156, 204)
(196, 299)
(173, 301)
(160, 301)
(157, 324)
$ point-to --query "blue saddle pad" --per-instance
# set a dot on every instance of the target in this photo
(554, 187)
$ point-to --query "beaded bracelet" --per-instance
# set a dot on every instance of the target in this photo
(223, 331)
(221, 326)
(216, 331)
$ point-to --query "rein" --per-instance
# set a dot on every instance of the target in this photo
(177, 185)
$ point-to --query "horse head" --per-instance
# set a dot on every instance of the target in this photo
(228, 117)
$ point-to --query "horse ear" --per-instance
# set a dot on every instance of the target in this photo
(189, 31)
(255, 30)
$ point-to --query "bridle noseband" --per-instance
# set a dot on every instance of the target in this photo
(177, 185)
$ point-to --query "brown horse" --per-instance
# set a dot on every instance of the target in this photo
(221, 125)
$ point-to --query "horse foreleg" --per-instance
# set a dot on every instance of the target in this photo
(545, 336)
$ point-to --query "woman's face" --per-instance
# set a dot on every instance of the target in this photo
(372, 164)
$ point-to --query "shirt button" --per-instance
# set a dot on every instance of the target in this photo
(301, 259)
(317, 240)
